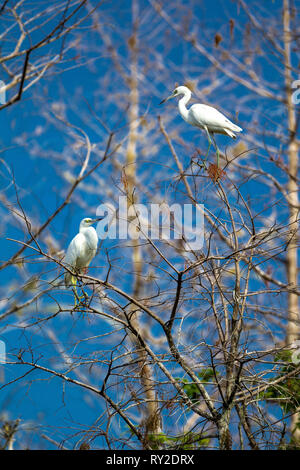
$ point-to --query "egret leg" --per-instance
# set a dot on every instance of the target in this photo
(209, 145)
(85, 295)
(79, 298)
(76, 296)
(217, 150)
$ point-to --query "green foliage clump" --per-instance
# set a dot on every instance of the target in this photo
(287, 392)
(191, 389)
(189, 441)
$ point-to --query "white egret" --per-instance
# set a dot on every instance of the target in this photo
(203, 116)
(81, 250)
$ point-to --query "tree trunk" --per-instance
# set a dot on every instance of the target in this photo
(292, 258)
(152, 418)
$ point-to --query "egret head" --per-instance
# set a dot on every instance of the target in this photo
(180, 90)
(87, 222)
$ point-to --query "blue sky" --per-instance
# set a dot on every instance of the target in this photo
(37, 149)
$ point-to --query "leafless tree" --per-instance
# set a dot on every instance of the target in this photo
(174, 347)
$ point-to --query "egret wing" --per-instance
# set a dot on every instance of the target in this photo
(72, 255)
(204, 115)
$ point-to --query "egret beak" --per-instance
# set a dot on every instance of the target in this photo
(97, 220)
(166, 99)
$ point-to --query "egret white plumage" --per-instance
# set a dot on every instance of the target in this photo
(203, 116)
(81, 250)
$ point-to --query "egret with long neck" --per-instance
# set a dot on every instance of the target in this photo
(205, 117)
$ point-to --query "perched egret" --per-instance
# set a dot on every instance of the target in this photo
(81, 250)
(203, 116)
